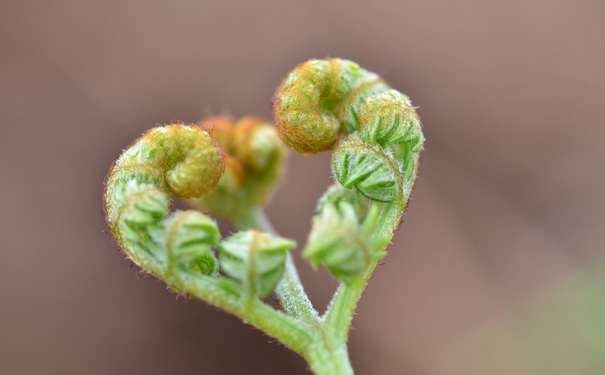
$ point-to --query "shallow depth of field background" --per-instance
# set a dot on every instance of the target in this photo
(498, 268)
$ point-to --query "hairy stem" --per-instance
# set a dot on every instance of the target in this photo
(293, 333)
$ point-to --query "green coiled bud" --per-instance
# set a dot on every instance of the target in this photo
(190, 238)
(256, 260)
(341, 240)
(369, 169)
(139, 221)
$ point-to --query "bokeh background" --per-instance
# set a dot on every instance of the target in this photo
(497, 269)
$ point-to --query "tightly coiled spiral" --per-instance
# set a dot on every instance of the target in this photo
(173, 160)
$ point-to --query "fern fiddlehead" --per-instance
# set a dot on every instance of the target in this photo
(377, 157)
(229, 168)
(172, 160)
(382, 137)
(185, 161)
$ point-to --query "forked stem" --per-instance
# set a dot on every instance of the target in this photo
(327, 354)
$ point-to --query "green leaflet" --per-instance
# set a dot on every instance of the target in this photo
(341, 237)
(191, 236)
(369, 169)
(256, 260)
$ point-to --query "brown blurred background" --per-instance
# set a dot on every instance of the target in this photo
(509, 208)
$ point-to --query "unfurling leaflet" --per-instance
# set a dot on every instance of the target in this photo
(371, 170)
(256, 260)
(341, 236)
(190, 240)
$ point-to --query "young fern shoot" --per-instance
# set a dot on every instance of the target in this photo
(229, 169)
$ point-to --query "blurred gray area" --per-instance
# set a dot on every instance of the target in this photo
(510, 201)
